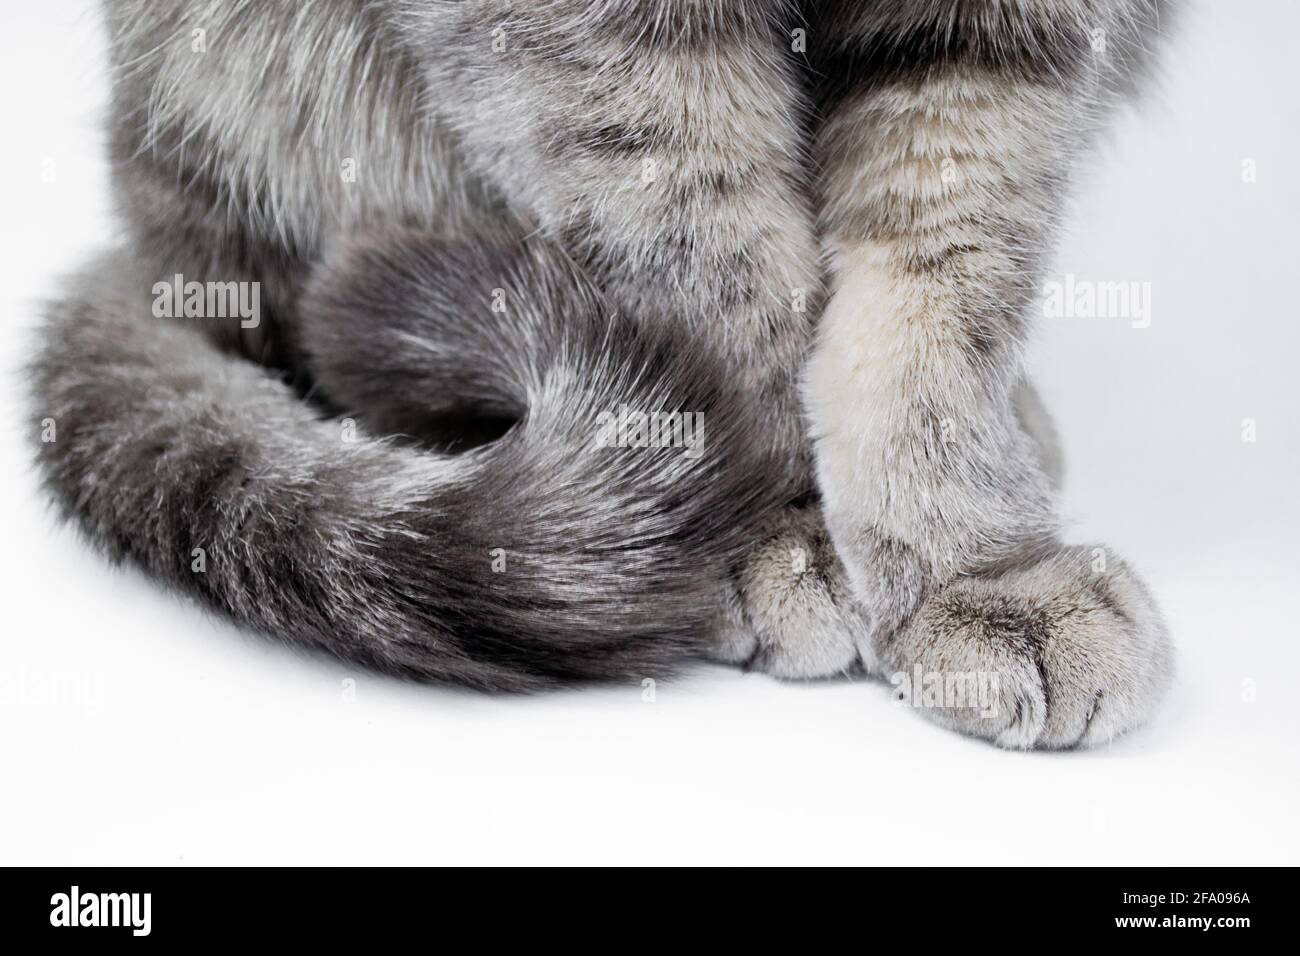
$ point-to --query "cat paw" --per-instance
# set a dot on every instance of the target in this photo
(789, 612)
(1067, 652)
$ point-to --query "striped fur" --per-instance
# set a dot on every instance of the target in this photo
(948, 134)
(668, 196)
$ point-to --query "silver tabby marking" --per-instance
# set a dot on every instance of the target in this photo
(820, 228)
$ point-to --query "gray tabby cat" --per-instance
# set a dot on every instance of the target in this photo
(510, 220)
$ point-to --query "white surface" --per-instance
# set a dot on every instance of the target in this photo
(191, 743)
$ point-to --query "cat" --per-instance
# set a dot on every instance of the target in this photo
(480, 228)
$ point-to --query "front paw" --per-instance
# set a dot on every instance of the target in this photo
(1067, 652)
(789, 612)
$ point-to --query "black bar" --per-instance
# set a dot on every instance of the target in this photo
(221, 906)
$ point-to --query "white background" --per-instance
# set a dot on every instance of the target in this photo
(190, 742)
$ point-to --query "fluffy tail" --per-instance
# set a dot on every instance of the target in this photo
(554, 553)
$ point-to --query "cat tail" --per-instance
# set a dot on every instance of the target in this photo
(576, 546)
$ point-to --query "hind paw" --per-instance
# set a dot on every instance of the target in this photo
(1064, 653)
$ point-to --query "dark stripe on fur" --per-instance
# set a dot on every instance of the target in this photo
(859, 47)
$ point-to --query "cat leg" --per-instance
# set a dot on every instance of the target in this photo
(943, 158)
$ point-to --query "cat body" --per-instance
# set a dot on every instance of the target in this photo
(818, 230)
